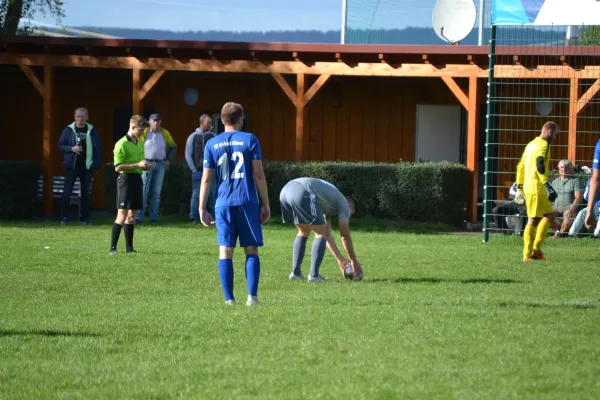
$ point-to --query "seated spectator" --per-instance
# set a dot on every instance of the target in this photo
(580, 219)
(568, 202)
(501, 212)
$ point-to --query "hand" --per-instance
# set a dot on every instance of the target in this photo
(265, 213)
(550, 192)
(76, 149)
(206, 218)
(568, 214)
(167, 164)
(590, 220)
(145, 165)
(357, 270)
(520, 197)
(342, 264)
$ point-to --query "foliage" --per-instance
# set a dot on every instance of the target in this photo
(12, 11)
(18, 194)
(590, 36)
(431, 192)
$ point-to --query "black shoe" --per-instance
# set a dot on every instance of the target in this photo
(131, 251)
(153, 222)
(113, 251)
(193, 220)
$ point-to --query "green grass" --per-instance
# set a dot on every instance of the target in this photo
(437, 316)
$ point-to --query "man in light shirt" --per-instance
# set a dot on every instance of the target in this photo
(159, 150)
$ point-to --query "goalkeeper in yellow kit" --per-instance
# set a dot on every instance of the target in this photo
(534, 189)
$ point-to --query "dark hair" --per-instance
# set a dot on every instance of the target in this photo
(351, 200)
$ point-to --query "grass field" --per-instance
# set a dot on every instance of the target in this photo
(437, 316)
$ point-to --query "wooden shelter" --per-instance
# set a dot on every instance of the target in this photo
(304, 101)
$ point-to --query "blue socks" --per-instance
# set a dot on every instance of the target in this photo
(317, 254)
(252, 274)
(298, 254)
(226, 274)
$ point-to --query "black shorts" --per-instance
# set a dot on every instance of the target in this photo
(130, 192)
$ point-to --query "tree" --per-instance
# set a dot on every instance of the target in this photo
(12, 11)
(590, 36)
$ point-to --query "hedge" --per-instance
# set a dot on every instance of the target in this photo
(18, 197)
(431, 192)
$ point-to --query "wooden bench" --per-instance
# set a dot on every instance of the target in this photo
(58, 186)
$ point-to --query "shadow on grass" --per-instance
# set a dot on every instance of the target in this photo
(48, 333)
(581, 305)
(438, 280)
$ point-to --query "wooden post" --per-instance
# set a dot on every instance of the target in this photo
(47, 142)
(573, 111)
(136, 92)
(300, 153)
(473, 149)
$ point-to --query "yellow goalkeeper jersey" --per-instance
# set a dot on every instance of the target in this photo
(527, 173)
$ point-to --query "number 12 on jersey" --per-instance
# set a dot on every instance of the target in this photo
(238, 159)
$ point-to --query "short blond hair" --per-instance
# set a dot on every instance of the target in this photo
(232, 113)
(138, 121)
(551, 126)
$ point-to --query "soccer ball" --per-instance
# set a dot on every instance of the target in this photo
(349, 275)
(348, 271)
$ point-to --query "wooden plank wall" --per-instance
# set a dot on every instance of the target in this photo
(350, 118)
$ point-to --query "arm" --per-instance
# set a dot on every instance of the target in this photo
(205, 187)
(128, 167)
(347, 240)
(520, 172)
(590, 220)
(261, 186)
(63, 145)
(171, 145)
(332, 246)
(189, 153)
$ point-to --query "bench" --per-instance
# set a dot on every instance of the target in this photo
(58, 186)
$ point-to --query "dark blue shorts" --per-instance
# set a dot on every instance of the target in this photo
(239, 221)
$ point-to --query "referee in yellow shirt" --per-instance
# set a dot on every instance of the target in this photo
(129, 165)
(534, 189)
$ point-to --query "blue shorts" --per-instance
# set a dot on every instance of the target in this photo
(239, 221)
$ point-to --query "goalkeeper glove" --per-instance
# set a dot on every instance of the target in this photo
(550, 192)
(519, 195)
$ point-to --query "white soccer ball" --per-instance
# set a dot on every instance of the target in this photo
(348, 271)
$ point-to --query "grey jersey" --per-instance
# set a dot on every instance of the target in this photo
(331, 200)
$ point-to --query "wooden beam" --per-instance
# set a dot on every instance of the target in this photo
(300, 118)
(573, 109)
(315, 88)
(283, 84)
(588, 95)
(249, 66)
(150, 83)
(473, 149)
(136, 92)
(545, 72)
(48, 144)
(32, 78)
(458, 92)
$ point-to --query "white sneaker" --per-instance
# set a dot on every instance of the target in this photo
(230, 302)
(294, 276)
(252, 301)
(318, 279)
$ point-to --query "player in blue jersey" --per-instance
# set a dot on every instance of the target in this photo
(590, 219)
(235, 157)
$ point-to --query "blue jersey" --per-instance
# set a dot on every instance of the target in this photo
(596, 162)
(231, 154)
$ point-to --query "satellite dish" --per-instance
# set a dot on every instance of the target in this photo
(190, 96)
(453, 20)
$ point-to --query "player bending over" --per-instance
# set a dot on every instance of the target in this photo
(236, 158)
(534, 189)
(311, 202)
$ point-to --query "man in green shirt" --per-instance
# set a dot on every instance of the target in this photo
(129, 164)
(569, 189)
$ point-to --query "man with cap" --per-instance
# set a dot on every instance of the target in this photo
(159, 150)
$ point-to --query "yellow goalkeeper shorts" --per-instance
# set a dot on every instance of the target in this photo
(537, 205)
